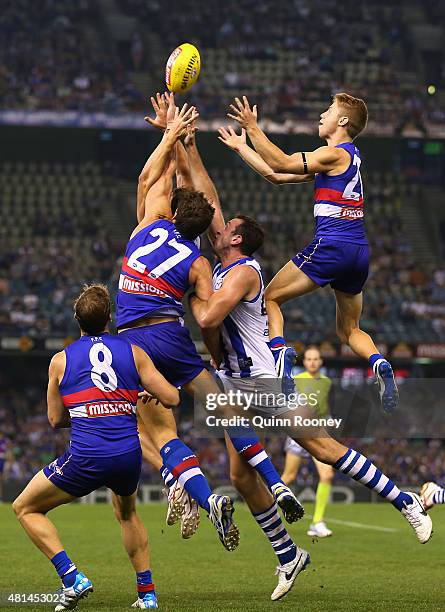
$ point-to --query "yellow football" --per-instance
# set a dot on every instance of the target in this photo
(182, 69)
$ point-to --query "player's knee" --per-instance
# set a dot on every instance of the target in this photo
(19, 508)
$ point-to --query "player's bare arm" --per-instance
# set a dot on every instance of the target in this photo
(202, 182)
(323, 159)
(201, 280)
(159, 181)
(58, 415)
(242, 283)
(237, 142)
(153, 381)
(160, 107)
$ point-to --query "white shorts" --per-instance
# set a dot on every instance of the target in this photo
(265, 393)
(290, 446)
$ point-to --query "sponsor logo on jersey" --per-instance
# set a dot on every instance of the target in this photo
(104, 409)
(351, 213)
(131, 285)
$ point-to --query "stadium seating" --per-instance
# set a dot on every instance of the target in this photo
(109, 56)
(53, 238)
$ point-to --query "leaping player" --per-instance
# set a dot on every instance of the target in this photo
(162, 261)
(339, 253)
(321, 446)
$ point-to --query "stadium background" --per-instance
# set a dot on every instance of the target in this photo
(75, 78)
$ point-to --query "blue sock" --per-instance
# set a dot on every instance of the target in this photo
(277, 343)
(358, 467)
(65, 568)
(145, 584)
(375, 358)
(181, 461)
(270, 522)
(248, 445)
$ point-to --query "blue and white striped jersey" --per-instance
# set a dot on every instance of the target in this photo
(245, 330)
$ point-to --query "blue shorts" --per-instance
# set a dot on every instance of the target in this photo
(171, 349)
(342, 265)
(2, 465)
(78, 475)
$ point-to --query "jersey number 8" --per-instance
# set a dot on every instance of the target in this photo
(101, 367)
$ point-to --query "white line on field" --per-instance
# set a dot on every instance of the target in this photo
(358, 525)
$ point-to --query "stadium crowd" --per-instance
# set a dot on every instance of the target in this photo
(248, 47)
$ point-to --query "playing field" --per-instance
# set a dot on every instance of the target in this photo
(374, 563)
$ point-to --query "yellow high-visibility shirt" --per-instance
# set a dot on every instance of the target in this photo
(320, 386)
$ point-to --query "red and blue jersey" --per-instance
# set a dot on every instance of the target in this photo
(155, 273)
(100, 390)
(338, 206)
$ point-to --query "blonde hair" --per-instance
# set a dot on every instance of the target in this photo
(355, 110)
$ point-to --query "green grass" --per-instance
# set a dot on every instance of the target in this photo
(356, 569)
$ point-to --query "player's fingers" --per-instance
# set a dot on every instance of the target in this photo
(232, 131)
(184, 112)
(223, 132)
(235, 118)
(255, 110)
(191, 119)
(246, 103)
(149, 120)
(223, 140)
(239, 104)
(243, 132)
(154, 104)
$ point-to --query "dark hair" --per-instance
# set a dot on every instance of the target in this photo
(311, 347)
(194, 213)
(252, 234)
(355, 110)
(92, 309)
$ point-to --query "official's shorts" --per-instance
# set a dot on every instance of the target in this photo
(341, 265)
(79, 475)
(171, 349)
(292, 447)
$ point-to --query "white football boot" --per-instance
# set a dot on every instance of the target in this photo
(221, 513)
(319, 530)
(190, 518)
(176, 500)
(288, 573)
(417, 517)
(426, 494)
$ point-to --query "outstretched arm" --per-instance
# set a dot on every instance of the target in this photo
(202, 182)
(323, 159)
(156, 196)
(255, 161)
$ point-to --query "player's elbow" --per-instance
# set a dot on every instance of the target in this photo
(272, 178)
(208, 322)
(56, 421)
(171, 399)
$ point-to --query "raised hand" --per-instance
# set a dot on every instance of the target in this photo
(160, 107)
(230, 138)
(171, 106)
(246, 116)
(182, 118)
